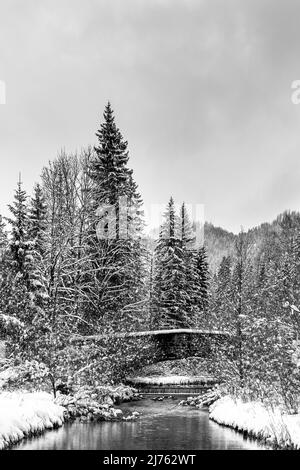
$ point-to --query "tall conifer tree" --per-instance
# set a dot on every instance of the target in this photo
(117, 254)
(170, 295)
(19, 246)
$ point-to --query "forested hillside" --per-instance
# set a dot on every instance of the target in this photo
(218, 243)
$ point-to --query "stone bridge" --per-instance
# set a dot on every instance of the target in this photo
(172, 344)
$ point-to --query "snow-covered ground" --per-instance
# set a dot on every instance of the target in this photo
(25, 414)
(258, 421)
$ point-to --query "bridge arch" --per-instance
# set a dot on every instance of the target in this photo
(171, 344)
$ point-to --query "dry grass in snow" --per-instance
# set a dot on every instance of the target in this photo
(258, 421)
(26, 414)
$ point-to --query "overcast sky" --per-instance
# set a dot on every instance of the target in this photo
(201, 90)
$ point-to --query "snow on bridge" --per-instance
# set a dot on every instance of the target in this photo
(155, 333)
(171, 344)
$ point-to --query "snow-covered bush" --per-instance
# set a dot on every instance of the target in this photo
(29, 374)
(8, 321)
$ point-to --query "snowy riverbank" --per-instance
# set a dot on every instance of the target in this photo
(26, 414)
(256, 420)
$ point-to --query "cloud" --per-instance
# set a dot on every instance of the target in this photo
(201, 90)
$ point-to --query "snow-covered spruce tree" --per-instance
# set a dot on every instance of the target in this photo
(15, 268)
(19, 246)
(222, 302)
(3, 252)
(3, 237)
(23, 288)
(33, 284)
(3, 264)
(202, 271)
(37, 233)
(24, 257)
(116, 250)
(180, 280)
(19, 260)
(171, 303)
(191, 285)
(195, 272)
(38, 219)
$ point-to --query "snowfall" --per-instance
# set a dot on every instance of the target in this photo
(256, 420)
(27, 414)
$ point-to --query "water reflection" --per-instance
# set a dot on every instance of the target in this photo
(163, 425)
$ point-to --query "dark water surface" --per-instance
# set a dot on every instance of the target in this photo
(163, 425)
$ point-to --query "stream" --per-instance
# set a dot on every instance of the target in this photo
(162, 425)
